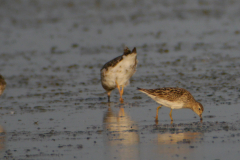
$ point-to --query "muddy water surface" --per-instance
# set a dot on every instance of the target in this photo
(54, 106)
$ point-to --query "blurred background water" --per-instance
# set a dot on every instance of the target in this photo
(54, 106)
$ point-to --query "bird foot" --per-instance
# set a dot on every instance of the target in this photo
(121, 100)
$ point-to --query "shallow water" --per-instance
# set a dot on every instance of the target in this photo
(54, 106)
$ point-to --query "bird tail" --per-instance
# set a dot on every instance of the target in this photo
(146, 91)
(142, 90)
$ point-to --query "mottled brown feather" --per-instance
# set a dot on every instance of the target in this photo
(116, 60)
(2, 81)
(2, 84)
(171, 94)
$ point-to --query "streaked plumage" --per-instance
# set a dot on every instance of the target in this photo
(174, 98)
(117, 72)
(2, 84)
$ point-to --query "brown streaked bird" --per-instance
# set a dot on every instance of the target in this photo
(174, 98)
(117, 72)
(2, 84)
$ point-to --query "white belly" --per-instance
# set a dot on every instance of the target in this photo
(169, 104)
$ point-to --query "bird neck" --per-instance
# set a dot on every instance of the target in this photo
(189, 104)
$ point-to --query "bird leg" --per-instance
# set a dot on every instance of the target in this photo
(108, 93)
(170, 114)
(156, 118)
(120, 91)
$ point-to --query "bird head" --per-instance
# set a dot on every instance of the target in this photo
(198, 109)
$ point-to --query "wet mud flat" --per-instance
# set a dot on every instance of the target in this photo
(54, 106)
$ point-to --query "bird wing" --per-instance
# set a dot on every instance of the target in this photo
(171, 94)
(112, 63)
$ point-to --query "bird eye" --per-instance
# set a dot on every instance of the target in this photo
(199, 108)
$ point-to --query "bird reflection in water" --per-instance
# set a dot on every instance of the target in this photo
(2, 84)
(178, 143)
(121, 135)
